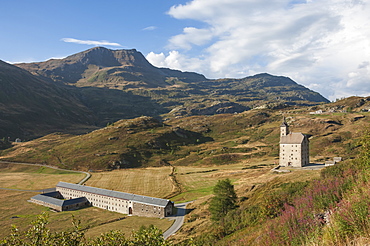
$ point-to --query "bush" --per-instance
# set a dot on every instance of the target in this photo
(39, 234)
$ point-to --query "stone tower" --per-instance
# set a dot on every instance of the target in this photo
(284, 128)
(294, 148)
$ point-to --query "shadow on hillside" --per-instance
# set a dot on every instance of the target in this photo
(110, 105)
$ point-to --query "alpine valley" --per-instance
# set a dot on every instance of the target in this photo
(164, 133)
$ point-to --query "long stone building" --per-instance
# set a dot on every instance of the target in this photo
(294, 148)
(116, 201)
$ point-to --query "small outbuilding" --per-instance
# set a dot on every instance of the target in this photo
(54, 200)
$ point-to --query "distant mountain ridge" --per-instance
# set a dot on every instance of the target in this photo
(100, 86)
(129, 70)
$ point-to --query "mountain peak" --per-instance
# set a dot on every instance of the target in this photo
(103, 57)
(100, 65)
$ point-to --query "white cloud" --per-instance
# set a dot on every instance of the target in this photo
(90, 42)
(150, 28)
(324, 45)
(191, 36)
(175, 60)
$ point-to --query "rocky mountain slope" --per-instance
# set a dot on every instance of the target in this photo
(30, 106)
(100, 86)
(128, 70)
(102, 67)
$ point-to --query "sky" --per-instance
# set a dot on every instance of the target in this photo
(323, 45)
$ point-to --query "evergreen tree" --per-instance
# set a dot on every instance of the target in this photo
(224, 199)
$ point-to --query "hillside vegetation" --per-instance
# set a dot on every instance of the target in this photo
(302, 207)
(198, 140)
(330, 210)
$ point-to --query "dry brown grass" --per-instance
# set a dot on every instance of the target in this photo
(199, 181)
(14, 204)
(154, 182)
(129, 224)
(27, 177)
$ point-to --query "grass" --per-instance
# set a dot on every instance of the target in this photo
(14, 209)
(129, 224)
(251, 135)
(27, 177)
(199, 181)
(154, 182)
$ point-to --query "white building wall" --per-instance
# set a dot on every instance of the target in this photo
(104, 202)
(294, 155)
(290, 155)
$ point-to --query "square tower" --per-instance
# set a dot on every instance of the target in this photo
(294, 148)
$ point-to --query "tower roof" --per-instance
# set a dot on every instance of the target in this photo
(293, 138)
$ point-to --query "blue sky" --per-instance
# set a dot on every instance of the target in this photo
(324, 45)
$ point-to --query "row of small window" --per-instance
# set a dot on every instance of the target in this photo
(95, 195)
(87, 193)
(105, 207)
(287, 145)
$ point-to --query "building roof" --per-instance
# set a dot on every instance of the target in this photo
(58, 202)
(52, 194)
(48, 199)
(292, 138)
(116, 194)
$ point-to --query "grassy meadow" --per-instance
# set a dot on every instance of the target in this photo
(154, 182)
(16, 210)
(28, 177)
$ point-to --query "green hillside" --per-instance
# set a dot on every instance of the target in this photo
(198, 140)
(273, 208)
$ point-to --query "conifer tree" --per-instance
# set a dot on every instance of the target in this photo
(224, 200)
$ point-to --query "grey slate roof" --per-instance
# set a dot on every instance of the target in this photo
(48, 199)
(58, 202)
(116, 194)
(292, 138)
(74, 201)
(52, 194)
